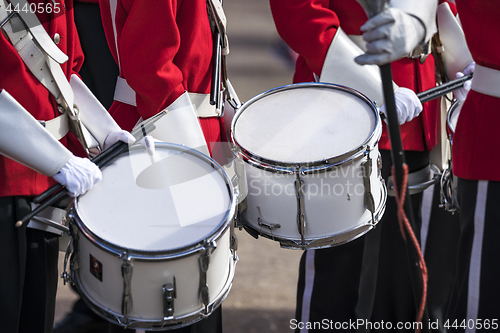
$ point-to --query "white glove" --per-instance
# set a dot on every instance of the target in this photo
(461, 94)
(119, 135)
(389, 36)
(78, 175)
(408, 105)
(122, 135)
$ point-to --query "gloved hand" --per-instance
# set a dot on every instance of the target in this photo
(408, 105)
(389, 36)
(126, 137)
(78, 175)
(461, 94)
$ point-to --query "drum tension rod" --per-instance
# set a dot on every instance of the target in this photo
(127, 302)
(369, 200)
(301, 209)
(169, 293)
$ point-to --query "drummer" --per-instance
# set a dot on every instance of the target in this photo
(367, 278)
(162, 64)
(476, 168)
(28, 278)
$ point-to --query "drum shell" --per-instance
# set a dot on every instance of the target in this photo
(334, 201)
(150, 272)
(204, 259)
(334, 212)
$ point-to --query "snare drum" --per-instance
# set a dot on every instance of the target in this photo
(311, 163)
(153, 242)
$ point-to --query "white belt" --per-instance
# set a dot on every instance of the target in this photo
(40, 55)
(486, 81)
(57, 127)
(201, 102)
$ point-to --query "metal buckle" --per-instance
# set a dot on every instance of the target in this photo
(8, 18)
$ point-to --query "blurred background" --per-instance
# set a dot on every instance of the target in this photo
(262, 298)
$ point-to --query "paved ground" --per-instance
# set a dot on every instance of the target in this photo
(262, 298)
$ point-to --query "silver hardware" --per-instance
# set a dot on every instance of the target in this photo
(169, 293)
(65, 275)
(204, 262)
(369, 200)
(418, 181)
(270, 226)
(7, 19)
(448, 191)
(57, 38)
(301, 208)
(127, 302)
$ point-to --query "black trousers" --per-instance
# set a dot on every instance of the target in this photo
(368, 278)
(99, 70)
(28, 273)
(477, 291)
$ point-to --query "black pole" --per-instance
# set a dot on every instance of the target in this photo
(398, 161)
(216, 74)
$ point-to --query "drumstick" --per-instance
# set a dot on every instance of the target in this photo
(438, 91)
(111, 153)
(98, 159)
(443, 89)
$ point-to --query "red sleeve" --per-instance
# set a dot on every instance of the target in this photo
(307, 26)
(147, 53)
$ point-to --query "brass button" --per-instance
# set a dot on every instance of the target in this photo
(57, 38)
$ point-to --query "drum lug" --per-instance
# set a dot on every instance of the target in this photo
(369, 200)
(301, 208)
(127, 302)
(70, 249)
(204, 262)
(233, 241)
(169, 293)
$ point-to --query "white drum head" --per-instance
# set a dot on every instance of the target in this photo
(304, 124)
(179, 200)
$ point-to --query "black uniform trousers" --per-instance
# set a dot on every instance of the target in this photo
(28, 271)
(476, 302)
(367, 279)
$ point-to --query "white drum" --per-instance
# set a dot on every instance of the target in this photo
(312, 165)
(153, 242)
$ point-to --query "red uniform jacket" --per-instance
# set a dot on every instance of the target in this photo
(163, 49)
(308, 27)
(16, 179)
(476, 138)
